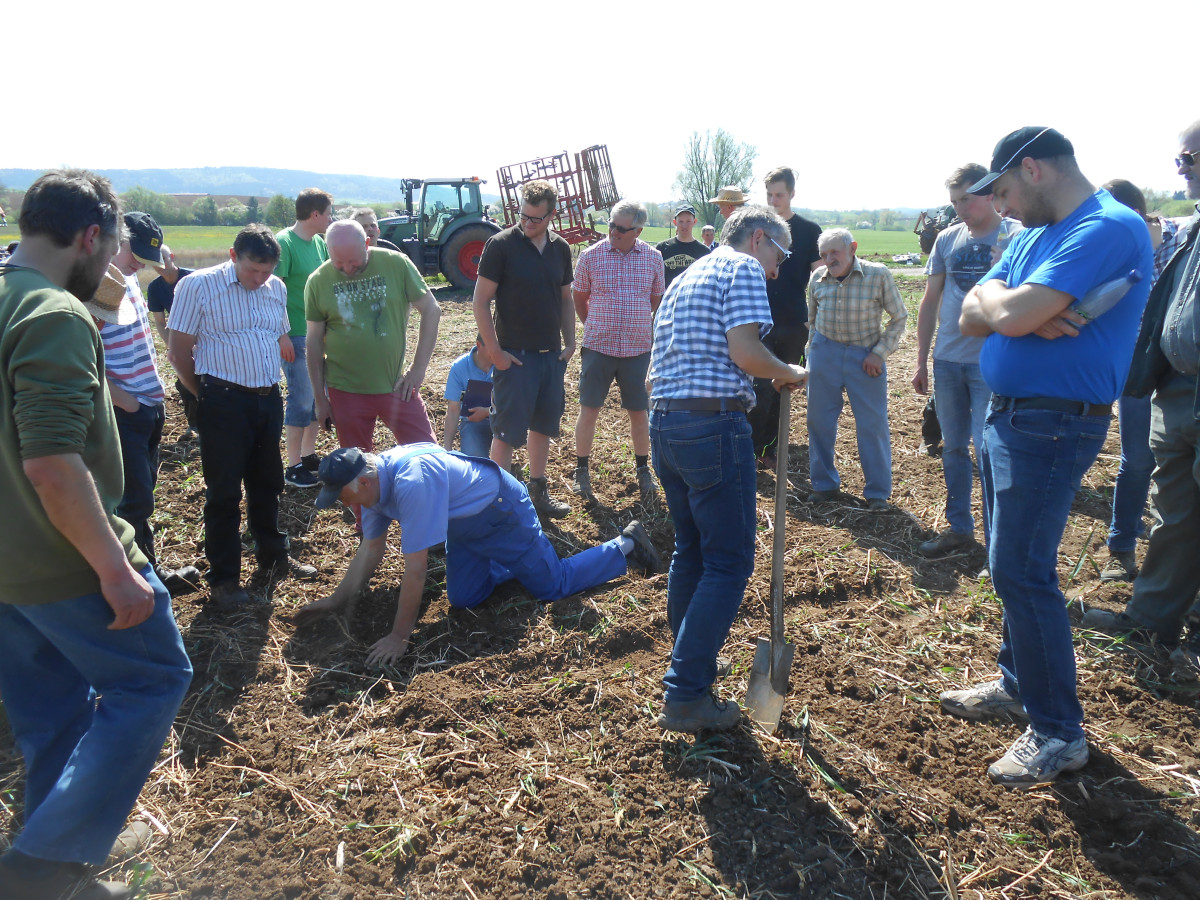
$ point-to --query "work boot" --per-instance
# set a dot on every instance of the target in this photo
(581, 483)
(183, 580)
(283, 566)
(1117, 624)
(30, 878)
(984, 701)
(647, 486)
(705, 713)
(1121, 566)
(1035, 759)
(946, 542)
(643, 554)
(229, 597)
(539, 495)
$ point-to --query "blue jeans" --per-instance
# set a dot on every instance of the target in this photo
(90, 709)
(832, 368)
(705, 464)
(1033, 461)
(505, 541)
(301, 410)
(962, 399)
(141, 434)
(1133, 477)
(475, 438)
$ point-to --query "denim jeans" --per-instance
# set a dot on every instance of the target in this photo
(1033, 461)
(239, 442)
(962, 399)
(301, 409)
(141, 434)
(90, 709)
(1133, 477)
(705, 464)
(834, 367)
(475, 438)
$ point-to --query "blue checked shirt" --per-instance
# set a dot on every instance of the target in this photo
(690, 357)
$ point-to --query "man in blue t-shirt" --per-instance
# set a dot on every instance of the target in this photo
(484, 516)
(1054, 376)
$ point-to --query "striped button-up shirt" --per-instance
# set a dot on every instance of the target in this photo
(621, 285)
(237, 331)
(130, 360)
(849, 311)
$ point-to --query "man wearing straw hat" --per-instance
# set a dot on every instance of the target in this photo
(729, 199)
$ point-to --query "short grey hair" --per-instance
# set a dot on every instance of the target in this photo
(371, 463)
(712, 228)
(741, 225)
(630, 208)
(832, 235)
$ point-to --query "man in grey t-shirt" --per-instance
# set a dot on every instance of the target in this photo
(961, 256)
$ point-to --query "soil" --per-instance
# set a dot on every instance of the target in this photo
(513, 751)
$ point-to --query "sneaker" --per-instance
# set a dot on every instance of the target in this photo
(229, 597)
(984, 701)
(647, 486)
(299, 476)
(581, 483)
(877, 504)
(539, 494)
(705, 713)
(945, 543)
(183, 580)
(724, 667)
(283, 566)
(824, 496)
(984, 574)
(130, 842)
(643, 554)
(1121, 566)
(312, 462)
(1035, 759)
(1118, 624)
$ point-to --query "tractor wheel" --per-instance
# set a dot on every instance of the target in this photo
(927, 237)
(460, 255)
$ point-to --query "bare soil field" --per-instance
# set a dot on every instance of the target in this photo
(513, 751)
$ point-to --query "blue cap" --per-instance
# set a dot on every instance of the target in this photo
(337, 470)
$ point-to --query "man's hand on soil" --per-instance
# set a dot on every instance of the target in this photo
(387, 651)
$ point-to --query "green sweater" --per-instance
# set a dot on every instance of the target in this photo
(53, 401)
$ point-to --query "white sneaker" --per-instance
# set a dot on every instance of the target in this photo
(984, 701)
(1035, 759)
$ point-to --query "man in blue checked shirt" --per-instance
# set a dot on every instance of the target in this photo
(707, 352)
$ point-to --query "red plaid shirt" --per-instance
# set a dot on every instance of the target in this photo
(620, 320)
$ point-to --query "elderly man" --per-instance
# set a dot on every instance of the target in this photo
(1053, 386)
(481, 513)
(1166, 363)
(961, 256)
(526, 269)
(357, 304)
(229, 335)
(92, 667)
(707, 350)
(618, 286)
(301, 250)
(729, 200)
(847, 353)
(683, 249)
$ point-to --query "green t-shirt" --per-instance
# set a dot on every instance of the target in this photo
(298, 259)
(366, 320)
(53, 401)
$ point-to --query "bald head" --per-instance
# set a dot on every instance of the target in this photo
(347, 243)
(1189, 147)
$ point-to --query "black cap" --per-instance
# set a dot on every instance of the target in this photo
(685, 207)
(336, 471)
(1031, 141)
(145, 238)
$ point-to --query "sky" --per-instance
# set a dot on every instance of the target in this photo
(872, 103)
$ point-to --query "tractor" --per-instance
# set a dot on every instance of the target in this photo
(932, 223)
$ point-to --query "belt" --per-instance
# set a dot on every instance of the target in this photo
(1056, 404)
(700, 404)
(232, 385)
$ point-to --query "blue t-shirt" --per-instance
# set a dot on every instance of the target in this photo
(423, 487)
(1100, 241)
(461, 371)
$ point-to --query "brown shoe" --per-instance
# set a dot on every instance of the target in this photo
(229, 597)
(705, 713)
(539, 494)
(283, 566)
(1121, 566)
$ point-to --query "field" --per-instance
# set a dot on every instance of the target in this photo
(513, 751)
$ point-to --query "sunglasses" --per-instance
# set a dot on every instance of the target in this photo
(534, 219)
(620, 229)
(1186, 158)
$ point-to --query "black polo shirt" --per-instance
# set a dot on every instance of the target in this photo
(787, 293)
(529, 301)
(160, 293)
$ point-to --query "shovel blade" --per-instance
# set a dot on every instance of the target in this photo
(769, 678)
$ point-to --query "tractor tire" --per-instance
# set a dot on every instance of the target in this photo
(927, 237)
(460, 255)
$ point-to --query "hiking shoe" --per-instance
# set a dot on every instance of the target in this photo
(1121, 566)
(539, 494)
(647, 486)
(229, 597)
(183, 580)
(299, 476)
(984, 701)
(824, 496)
(1117, 624)
(130, 842)
(54, 881)
(312, 462)
(1035, 759)
(877, 504)
(705, 713)
(643, 554)
(283, 566)
(581, 483)
(945, 543)
(1186, 660)
(724, 666)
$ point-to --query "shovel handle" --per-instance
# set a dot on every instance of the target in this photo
(779, 545)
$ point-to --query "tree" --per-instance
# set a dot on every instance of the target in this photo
(204, 211)
(281, 211)
(233, 214)
(162, 206)
(710, 163)
(252, 213)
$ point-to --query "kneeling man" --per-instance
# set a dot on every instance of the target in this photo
(483, 515)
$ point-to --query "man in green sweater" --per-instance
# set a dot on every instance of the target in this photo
(92, 668)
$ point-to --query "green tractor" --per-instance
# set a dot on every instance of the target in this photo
(445, 230)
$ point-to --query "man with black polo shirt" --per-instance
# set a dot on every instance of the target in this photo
(682, 250)
(160, 294)
(527, 270)
(789, 309)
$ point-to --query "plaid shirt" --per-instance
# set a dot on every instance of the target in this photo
(621, 285)
(848, 311)
(691, 358)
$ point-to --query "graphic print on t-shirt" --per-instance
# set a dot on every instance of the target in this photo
(361, 296)
(970, 262)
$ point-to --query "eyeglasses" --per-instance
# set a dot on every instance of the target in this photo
(786, 253)
(1186, 158)
(620, 229)
(534, 219)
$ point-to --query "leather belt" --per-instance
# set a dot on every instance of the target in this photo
(701, 404)
(1055, 404)
(233, 385)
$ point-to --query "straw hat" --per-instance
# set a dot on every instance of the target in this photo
(111, 303)
(730, 194)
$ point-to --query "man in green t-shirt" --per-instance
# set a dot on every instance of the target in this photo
(301, 250)
(357, 307)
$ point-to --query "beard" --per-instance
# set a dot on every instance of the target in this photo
(85, 276)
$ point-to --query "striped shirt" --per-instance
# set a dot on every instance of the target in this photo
(619, 314)
(237, 331)
(715, 294)
(130, 360)
(849, 311)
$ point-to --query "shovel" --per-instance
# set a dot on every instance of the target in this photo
(773, 658)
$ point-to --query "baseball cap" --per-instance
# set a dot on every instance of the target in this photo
(685, 208)
(145, 238)
(336, 471)
(1031, 141)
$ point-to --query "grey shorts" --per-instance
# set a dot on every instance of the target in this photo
(598, 371)
(528, 397)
